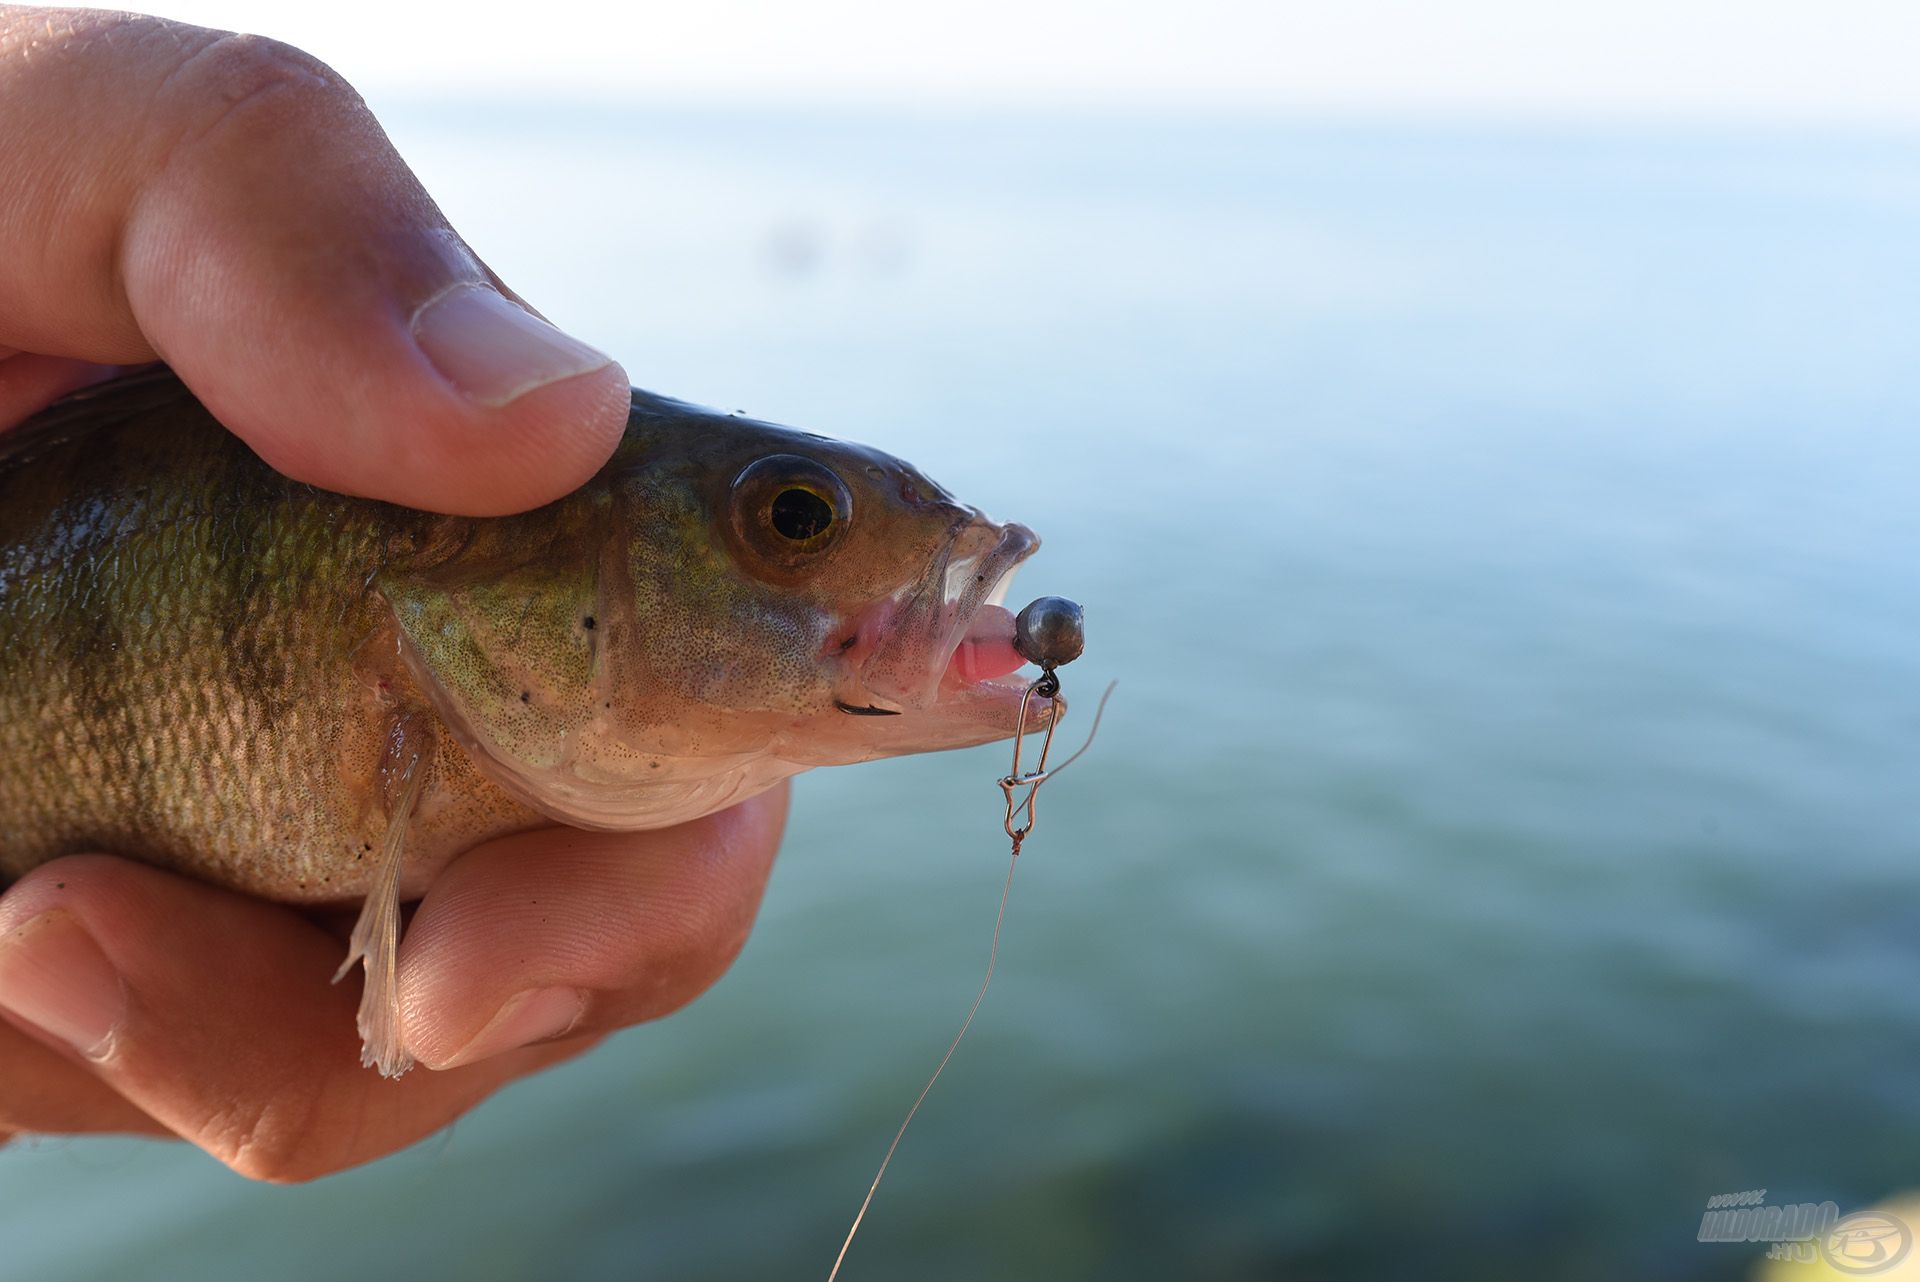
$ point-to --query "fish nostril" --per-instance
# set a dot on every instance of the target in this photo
(918, 491)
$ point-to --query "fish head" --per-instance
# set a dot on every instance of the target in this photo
(727, 603)
(823, 589)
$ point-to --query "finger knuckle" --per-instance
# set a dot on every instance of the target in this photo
(239, 78)
(273, 1138)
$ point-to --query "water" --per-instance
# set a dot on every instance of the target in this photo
(1501, 840)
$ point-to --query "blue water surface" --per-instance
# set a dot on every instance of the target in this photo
(1503, 837)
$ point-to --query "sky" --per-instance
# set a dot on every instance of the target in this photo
(1743, 61)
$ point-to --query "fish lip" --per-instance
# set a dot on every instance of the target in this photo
(1007, 693)
(1015, 545)
(912, 668)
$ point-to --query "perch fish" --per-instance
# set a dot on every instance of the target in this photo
(316, 698)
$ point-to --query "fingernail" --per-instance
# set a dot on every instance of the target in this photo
(529, 1017)
(494, 350)
(54, 977)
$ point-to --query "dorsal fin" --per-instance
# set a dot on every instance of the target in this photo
(131, 395)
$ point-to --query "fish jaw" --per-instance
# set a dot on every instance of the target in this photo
(905, 647)
(934, 667)
(966, 713)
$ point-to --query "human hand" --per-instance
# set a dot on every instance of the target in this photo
(228, 205)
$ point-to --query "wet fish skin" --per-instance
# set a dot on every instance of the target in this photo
(204, 665)
(191, 662)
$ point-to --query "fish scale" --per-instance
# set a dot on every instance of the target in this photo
(167, 690)
(313, 697)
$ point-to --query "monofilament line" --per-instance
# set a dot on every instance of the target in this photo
(993, 955)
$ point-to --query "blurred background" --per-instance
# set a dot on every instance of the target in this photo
(1482, 438)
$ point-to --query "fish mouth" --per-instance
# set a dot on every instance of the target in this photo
(947, 641)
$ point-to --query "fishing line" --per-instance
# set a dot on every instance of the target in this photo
(1047, 687)
(993, 955)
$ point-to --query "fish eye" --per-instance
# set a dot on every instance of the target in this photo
(788, 511)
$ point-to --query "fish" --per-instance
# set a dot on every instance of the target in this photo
(318, 698)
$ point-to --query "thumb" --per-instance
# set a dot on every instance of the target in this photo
(228, 204)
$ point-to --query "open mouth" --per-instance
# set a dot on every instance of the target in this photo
(949, 641)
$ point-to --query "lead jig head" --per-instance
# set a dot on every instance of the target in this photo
(1051, 631)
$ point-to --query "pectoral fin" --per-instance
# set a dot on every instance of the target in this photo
(376, 935)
